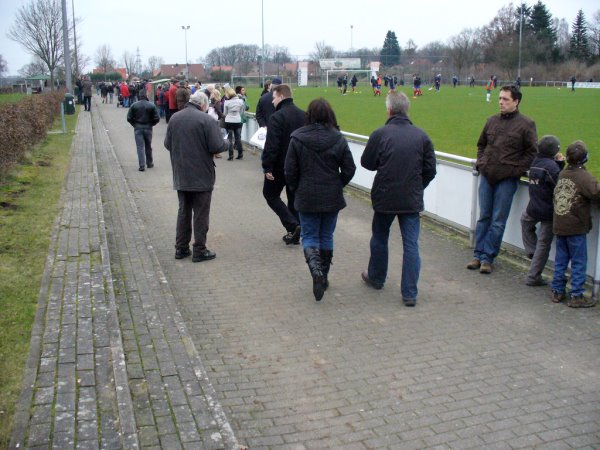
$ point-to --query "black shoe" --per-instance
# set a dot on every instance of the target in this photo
(181, 253)
(230, 158)
(293, 237)
(150, 165)
(204, 255)
(410, 302)
(367, 280)
(141, 169)
(538, 282)
(240, 156)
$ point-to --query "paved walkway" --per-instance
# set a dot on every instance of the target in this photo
(236, 351)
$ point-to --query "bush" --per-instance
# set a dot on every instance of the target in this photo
(24, 124)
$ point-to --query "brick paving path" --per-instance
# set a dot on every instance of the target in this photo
(237, 349)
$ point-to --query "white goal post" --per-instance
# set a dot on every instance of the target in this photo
(348, 71)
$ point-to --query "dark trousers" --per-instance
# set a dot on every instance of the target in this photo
(194, 210)
(87, 102)
(169, 113)
(272, 193)
(143, 142)
(234, 136)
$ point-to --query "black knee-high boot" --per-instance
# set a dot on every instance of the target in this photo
(326, 257)
(313, 260)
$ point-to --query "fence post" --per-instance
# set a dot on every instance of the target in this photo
(474, 204)
(62, 117)
(596, 279)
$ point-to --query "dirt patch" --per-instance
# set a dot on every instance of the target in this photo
(7, 205)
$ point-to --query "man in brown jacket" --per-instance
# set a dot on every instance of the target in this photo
(505, 150)
(182, 95)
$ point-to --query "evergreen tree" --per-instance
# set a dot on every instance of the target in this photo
(580, 46)
(542, 35)
(390, 53)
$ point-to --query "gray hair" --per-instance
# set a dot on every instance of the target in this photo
(397, 103)
(199, 98)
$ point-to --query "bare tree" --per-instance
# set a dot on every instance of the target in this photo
(129, 63)
(34, 68)
(500, 40)
(104, 59)
(322, 51)
(464, 50)
(411, 49)
(3, 66)
(154, 63)
(38, 28)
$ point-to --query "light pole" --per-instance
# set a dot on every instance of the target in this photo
(187, 69)
(68, 79)
(520, 40)
(351, 46)
(262, 60)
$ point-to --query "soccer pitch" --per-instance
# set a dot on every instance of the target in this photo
(454, 117)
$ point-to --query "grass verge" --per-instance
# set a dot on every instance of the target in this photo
(29, 198)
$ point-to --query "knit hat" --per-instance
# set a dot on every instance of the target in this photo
(577, 153)
(276, 81)
(548, 145)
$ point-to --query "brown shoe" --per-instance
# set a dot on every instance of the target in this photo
(558, 297)
(486, 268)
(474, 264)
(580, 301)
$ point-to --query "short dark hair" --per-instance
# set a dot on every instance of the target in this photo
(320, 111)
(284, 90)
(515, 92)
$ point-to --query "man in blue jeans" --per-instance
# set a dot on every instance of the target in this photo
(505, 150)
(404, 159)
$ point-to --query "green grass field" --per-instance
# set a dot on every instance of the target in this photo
(10, 98)
(454, 117)
(29, 196)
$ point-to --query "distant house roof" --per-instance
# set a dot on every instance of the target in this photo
(196, 71)
(221, 68)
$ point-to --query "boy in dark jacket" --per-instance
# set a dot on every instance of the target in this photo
(543, 176)
(575, 190)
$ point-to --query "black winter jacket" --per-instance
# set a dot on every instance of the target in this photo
(317, 167)
(286, 119)
(543, 175)
(264, 109)
(404, 159)
(143, 114)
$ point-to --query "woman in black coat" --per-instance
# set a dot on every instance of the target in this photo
(317, 167)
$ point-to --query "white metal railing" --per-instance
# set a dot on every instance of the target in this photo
(452, 198)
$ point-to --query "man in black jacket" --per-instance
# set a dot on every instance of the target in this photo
(543, 176)
(286, 119)
(404, 159)
(265, 108)
(142, 116)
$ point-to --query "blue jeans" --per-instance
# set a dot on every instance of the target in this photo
(410, 225)
(494, 208)
(574, 249)
(317, 229)
(143, 142)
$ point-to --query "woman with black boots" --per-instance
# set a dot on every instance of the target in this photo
(317, 167)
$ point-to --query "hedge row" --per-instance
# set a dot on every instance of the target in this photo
(25, 123)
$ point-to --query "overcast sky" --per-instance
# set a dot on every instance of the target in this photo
(155, 27)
